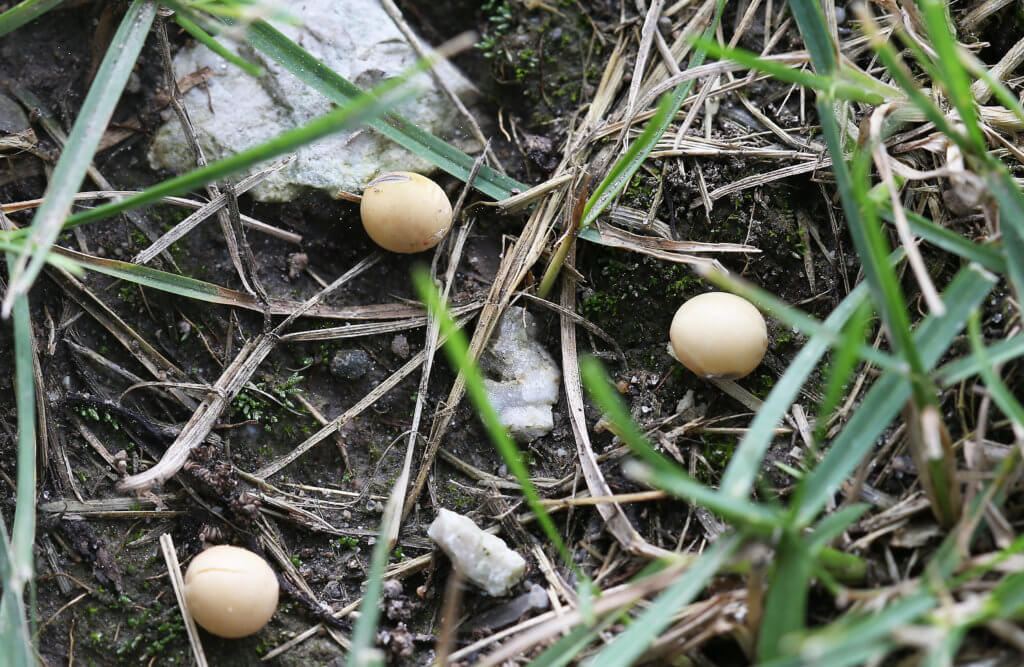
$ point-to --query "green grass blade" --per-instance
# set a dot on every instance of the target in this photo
(1000, 393)
(785, 609)
(999, 353)
(662, 472)
(842, 368)
(811, 22)
(457, 350)
(204, 38)
(745, 464)
(269, 41)
(353, 114)
(872, 248)
(631, 644)
(364, 652)
(831, 526)
(1011, 217)
(785, 605)
(23, 12)
(857, 636)
(19, 555)
(85, 136)
(832, 84)
(954, 77)
(565, 650)
(794, 317)
(624, 168)
(883, 402)
(940, 237)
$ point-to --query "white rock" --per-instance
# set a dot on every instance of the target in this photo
(235, 111)
(526, 377)
(482, 558)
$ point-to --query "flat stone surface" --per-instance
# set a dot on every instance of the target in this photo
(235, 111)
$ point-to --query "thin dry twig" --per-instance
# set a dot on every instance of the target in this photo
(178, 584)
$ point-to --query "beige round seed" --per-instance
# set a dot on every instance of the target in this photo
(719, 335)
(405, 212)
(230, 591)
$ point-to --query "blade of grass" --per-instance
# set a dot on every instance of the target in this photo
(566, 649)
(19, 555)
(271, 43)
(1000, 393)
(835, 86)
(363, 652)
(883, 402)
(1011, 217)
(999, 353)
(627, 165)
(23, 12)
(785, 606)
(356, 112)
(857, 637)
(745, 465)
(182, 18)
(811, 20)
(986, 255)
(457, 350)
(85, 136)
(631, 644)
(954, 77)
(785, 609)
(661, 471)
(842, 368)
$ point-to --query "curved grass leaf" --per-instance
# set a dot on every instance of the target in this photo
(358, 111)
(661, 472)
(457, 350)
(831, 84)
(631, 644)
(624, 168)
(785, 605)
(881, 405)
(204, 38)
(23, 12)
(85, 136)
(999, 353)
(273, 44)
(1000, 393)
(364, 652)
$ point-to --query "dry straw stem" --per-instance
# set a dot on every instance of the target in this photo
(231, 381)
(615, 520)
(269, 230)
(398, 491)
(178, 584)
(384, 387)
(215, 205)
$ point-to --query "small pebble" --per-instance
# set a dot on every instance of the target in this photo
(350, 364)
(400, 346)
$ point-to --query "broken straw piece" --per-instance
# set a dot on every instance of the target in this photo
(482, 558)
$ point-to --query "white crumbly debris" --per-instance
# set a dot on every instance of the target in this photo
(525, 377)
(358, 40)
(482, 558)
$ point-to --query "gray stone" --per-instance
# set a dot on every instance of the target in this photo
(350, 364)
(235, 111)
(12, 117)
(523, 379)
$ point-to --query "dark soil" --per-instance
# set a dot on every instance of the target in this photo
(535, 66)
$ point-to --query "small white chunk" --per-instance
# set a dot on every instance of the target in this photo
(482, 558)
(523, 382)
